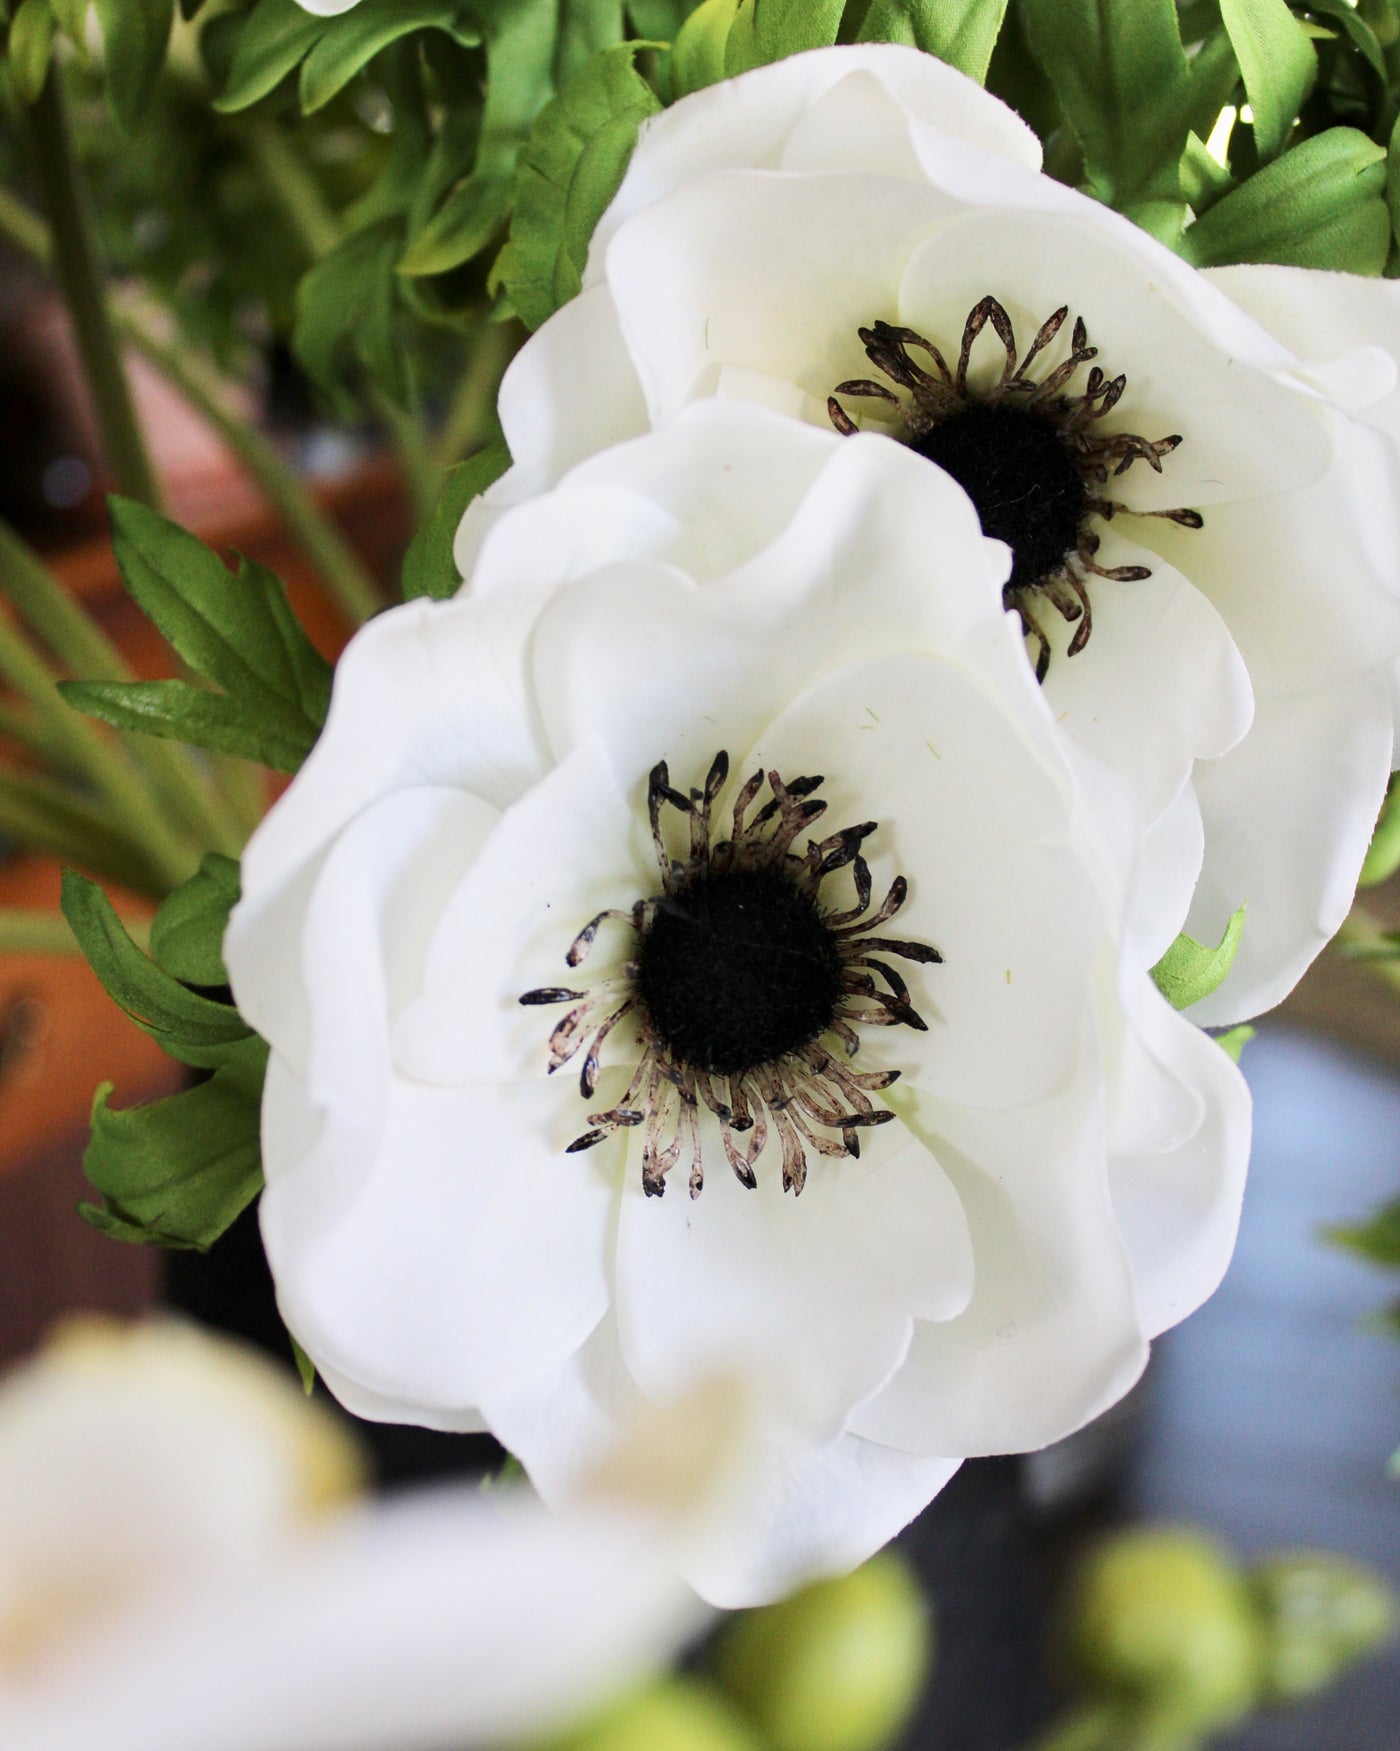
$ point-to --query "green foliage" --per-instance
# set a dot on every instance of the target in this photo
(238, 632)
(179, 1171)
(1377, 1240)
(31, 42)
(1321, 205)
(961, 32)
(276, 38)
(428, 567)
(367, 29)
(1321, 1613)
(187, 932)
(1234, 1040)
(348, 311)
(306, 1368)
(1191, 970)
(769, 30)
(1383, 857)
(1278, 63)
(697, 59)
(1122, 79)
(570, 170)
(135, 36)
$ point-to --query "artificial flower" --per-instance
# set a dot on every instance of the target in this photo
(182, 1563)
(1195, 472)
(327, 8)
(726, 792)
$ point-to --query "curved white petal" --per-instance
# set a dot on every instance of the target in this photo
(1179, 1209)
(818, 1293)
(387, 1247)
(1168, 866)
(1288, 818)
(1051, 1336)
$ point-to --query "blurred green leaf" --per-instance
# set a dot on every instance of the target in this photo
(348, 314)
(1278, 63)
(193, 1029)
(569, 171)
(697, 59)
(32, 33)
(465, 223)
(1377, 1240)
(428, 567)
(1362, 37)
(1234, 1040)
(586, 28)
(187, 932)
(306, 1368)
(1122, 78)
(961, 32)
(1321, 205)
(357, 36)
(1191, 970)
(276, 38)
(180, 1171)
(769, 30)
(45, 815)
(658, 20)
(1383, 857)
(135, 36)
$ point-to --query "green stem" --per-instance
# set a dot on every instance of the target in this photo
(47, 933)
(296, 189)
(471, 419)
(74, 248)
(413, 448)
(1362, 938)
(85, 650)
(350, 583)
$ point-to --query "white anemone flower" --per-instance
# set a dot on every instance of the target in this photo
(726, 791)
(180, 1564)
(1196, 472)
(327, 8)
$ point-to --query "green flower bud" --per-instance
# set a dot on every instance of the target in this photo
(1320, 1612)
(839, 1666)
(1164, 1617)
(677, 1714)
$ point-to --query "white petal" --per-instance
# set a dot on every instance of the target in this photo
(752, 120)
(389, 1249)
(1159, 685)
(1179, 1210)
(1168, 867)
(806, 1511)
(445, 1618)
(569, 849)
(1051, 1337)
(1194, 365)
(817, 1292)
(982, 832)
(397, 719)
(1288, 817)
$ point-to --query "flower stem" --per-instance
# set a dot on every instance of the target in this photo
(73, 246)
(24, 932)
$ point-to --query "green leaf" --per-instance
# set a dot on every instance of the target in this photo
(465, 223)
(697, 57)
(1278, 62)
(1203, 181)
(72, 16)
(586, 28)
(1363, 37)
(1122, 79)
(1392, 181)
(30, 47)
(770, 30)
(961, 32)
(306, 1368)
(1234, 1040)
(658, 20)
(428, 567)
(45, 815)
(135, 36)
(1383, 858)
(347, 313)
(180, 1171)
(1377, 1240)
(359, 35)
(571, 168)
(278, 36)
(1191, 970)
(1321, 205)
(187, 932)
(189, 1027)
(238, 631)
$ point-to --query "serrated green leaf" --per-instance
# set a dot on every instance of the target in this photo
(187, 932)
(189, 1027)
(570, 169)
(276, 39)
(180, 1171)
(769, 30)
(356, 37)
(135, 36)
(1321, 205)
(1191, 970)
(32, 33)
(1278, 62)
(428, 567)
(1376, 1240)
(178, 712)
(697, 57)
(347, 311)
(961, 32)
(1234, 1040)
(1383, 857)
(1122, 78)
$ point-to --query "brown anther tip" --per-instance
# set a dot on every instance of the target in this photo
(653, 1186)
(852, 1142)
(549, 994)
(587, 1141)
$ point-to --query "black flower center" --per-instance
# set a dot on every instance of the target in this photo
(737, 970)
(1020, 474)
